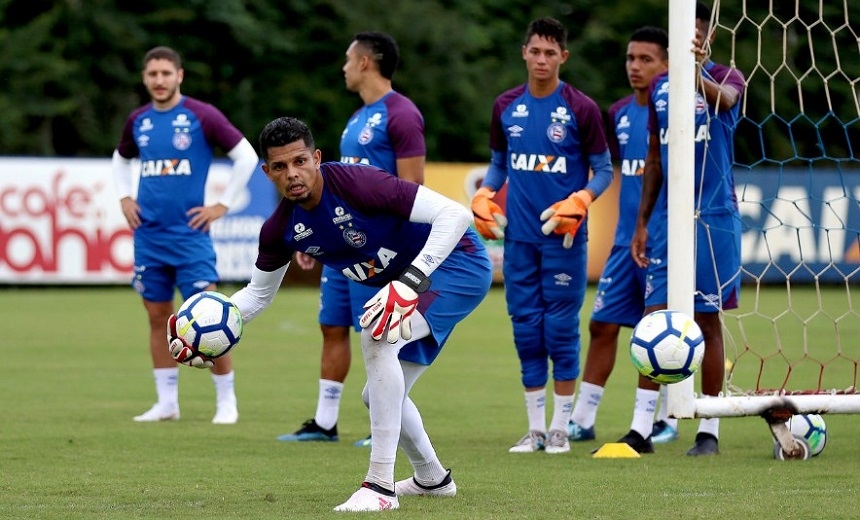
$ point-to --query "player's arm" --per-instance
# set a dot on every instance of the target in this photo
(259, 293)
(652, 182)
(390, 310)
(245, 160)
(122, 174)
(411, 169)
(722, 96)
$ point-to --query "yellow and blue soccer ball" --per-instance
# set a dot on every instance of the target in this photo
(209, 323)
(667, 346)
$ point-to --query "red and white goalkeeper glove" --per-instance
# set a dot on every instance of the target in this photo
(489, 219)
(392, 307)
(565, 217)
(181, 351)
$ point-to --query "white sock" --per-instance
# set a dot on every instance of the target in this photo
(428, 470)
(386, 390)
(167, 386)
(224, 391)
(536, 410)
(585, 411)
(643, 412)
(328, 403)
(561, 406)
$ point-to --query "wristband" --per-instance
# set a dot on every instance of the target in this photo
(413, 278)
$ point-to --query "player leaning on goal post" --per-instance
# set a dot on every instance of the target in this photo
(718, 227)
(412, 243)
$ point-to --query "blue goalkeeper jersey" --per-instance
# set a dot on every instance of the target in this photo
(380, 133)
(628, 144)
(546, 142)
(360, 228)
(714, 134)
(175, 148)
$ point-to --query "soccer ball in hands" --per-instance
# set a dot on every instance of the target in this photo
(667, 346)
(810, 428)
(209, 323)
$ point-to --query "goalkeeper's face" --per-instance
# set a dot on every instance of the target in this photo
(295, 171)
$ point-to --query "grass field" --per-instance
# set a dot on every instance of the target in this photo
(76, 369)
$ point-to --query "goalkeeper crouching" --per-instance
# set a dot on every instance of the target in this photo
(415, 245)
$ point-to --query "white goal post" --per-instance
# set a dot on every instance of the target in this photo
(797, 178)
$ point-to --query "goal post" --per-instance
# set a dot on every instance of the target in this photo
(791, 344)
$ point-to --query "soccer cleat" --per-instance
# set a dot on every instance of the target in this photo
(370, 497)
(577, 433)
(557, 442)
(706, 444)
(159, 412)
(363, 443)
(531, 442)
(226, 413)
(310, 432)
(663, 432)
(411, 487)
(637, 442)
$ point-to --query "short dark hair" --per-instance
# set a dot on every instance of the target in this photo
(283, 131)
(548, 28)
(162, 53)
(382, 49)
(703, 12)
(655, 35)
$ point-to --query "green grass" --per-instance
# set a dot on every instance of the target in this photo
(76, 369)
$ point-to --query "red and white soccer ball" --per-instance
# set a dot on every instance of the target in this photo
(210, 323)
(667, 346)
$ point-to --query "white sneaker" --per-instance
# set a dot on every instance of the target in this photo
(531, 442)
(369, 497)
(226, 413)
(557, 442)
(159, 412)
(410, 486)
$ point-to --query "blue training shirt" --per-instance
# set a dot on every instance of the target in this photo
(382, 132)
(546, 143)
(175, 148)
(714, 134)
(361, 227)
(628, 144)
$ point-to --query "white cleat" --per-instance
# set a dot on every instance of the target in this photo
(226, 414)
(557, 442)
(411, 487)
(369, 498)
(159, 412)
(531, 442)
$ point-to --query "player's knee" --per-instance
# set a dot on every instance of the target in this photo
(535, 372)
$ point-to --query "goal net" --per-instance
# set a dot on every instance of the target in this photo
(794, 341)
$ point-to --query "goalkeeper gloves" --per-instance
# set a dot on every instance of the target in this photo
(489, 219)
(564, 217)
(181, 351)
(394, 305)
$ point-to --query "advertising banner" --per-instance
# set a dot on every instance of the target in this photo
(60, 223)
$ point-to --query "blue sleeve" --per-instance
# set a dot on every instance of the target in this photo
(601, 166)
(497, 173)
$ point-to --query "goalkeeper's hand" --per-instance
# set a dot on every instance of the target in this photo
(489, 219)
(565, 217)
(181, 351)
(394, 305)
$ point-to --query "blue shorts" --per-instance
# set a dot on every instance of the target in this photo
(156, 280)
(621, 291)
(341, 299)
(718, 262)
(460, 283)
(545, 287)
